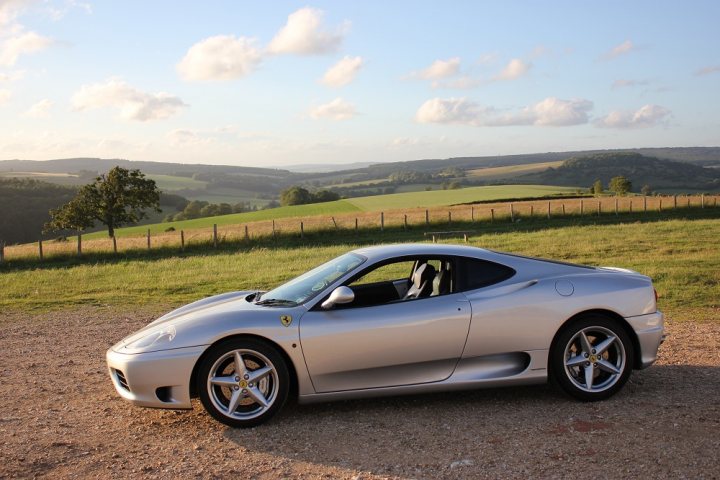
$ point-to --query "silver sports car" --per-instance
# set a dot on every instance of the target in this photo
(396, 319)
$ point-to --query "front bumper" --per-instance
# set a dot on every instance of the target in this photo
(154, 379)
(650, 331)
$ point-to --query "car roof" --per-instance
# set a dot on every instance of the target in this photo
(399, 249)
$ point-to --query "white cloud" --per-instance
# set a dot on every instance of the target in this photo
(514, 70)
(338, 109)
(11, 9)
(21, 43)
(449, 110)
(559, 113)
(549, 112)
(303, 34)
(4, 96)
(39, 110)
(708, 70)
(440, 69)
(132, 103)
(646, 116)
(12, 76)
(626, 47)
(343, 72)
(183, 137)
(222, 57)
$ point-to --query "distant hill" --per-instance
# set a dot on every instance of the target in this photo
(639, 169)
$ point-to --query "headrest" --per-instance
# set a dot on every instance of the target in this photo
(423, 274)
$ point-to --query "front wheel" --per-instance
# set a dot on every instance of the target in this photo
(592, 358)
(243, 382)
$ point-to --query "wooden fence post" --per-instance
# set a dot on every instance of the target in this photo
(247, 234)
(465, 237)
(532, 210)
(333, 219)
(581, 206)
(563, 209)
(644, 203)
(79, 245)
(492, 215)
(40, 250)
(512, 213)
(182, 240)
(674, 202)
(302, 230)
(449, 217)
(702, 201)
(405, 221)
(688, 201)
(148, 239)
(548, 210)
(599, 207)
(356, 225)
(472, 214)
(382, 221)
(114, 244)
(427, 217)
(214, 235)
(616, 206)
(631, 205)
(660, 206)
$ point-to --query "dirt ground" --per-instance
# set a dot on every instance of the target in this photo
(61, 418)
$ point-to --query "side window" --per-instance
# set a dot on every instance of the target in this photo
(386, 273)
(476, 273)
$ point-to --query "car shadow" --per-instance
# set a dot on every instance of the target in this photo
(474, 433)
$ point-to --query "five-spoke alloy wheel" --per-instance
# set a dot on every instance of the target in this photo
(592, 358)
(243, 382)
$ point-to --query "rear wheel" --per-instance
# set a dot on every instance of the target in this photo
(592, 358)
(243, 382)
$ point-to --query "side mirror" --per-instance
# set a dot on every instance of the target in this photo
(338, 296)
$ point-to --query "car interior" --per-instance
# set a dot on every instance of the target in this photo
(408, 279)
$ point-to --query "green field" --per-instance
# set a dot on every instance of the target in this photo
(328, 208)
(435, 198)
(171, 183)
(366, 204)
(681, 255)
(511, 171)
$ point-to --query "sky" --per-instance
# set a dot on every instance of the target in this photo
(284, 83)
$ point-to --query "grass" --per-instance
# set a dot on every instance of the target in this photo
(328, 208)
(511, 171)
(171, 183)
(680, 254)
(451, 197)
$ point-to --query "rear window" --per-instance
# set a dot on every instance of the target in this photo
(474, 273)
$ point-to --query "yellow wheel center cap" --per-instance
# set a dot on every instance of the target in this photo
(243, 384)
(593, 358)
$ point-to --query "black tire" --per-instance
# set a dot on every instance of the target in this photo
(228, 385)
(594, 365)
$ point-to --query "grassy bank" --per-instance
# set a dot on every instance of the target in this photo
(680, 254)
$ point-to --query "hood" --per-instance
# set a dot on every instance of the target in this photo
(199, 323)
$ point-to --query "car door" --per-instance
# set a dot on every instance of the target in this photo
(391, 344)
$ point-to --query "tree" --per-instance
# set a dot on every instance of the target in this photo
(620, 185)
(597, 187)
(295, 196)
(114, 199)
(646, 190)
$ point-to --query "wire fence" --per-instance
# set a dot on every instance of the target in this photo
(407, 219)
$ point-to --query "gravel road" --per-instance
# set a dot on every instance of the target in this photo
(61, 418)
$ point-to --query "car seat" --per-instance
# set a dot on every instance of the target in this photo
(422, 282)
(441, 282)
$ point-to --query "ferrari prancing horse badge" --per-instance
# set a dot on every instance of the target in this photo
(286, 320)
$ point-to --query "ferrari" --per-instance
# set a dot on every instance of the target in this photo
(391, 320)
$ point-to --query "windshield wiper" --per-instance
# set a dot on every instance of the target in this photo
(275, 301)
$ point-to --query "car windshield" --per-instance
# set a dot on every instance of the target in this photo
(308, 285)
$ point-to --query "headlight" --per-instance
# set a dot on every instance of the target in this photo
(153, 338)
